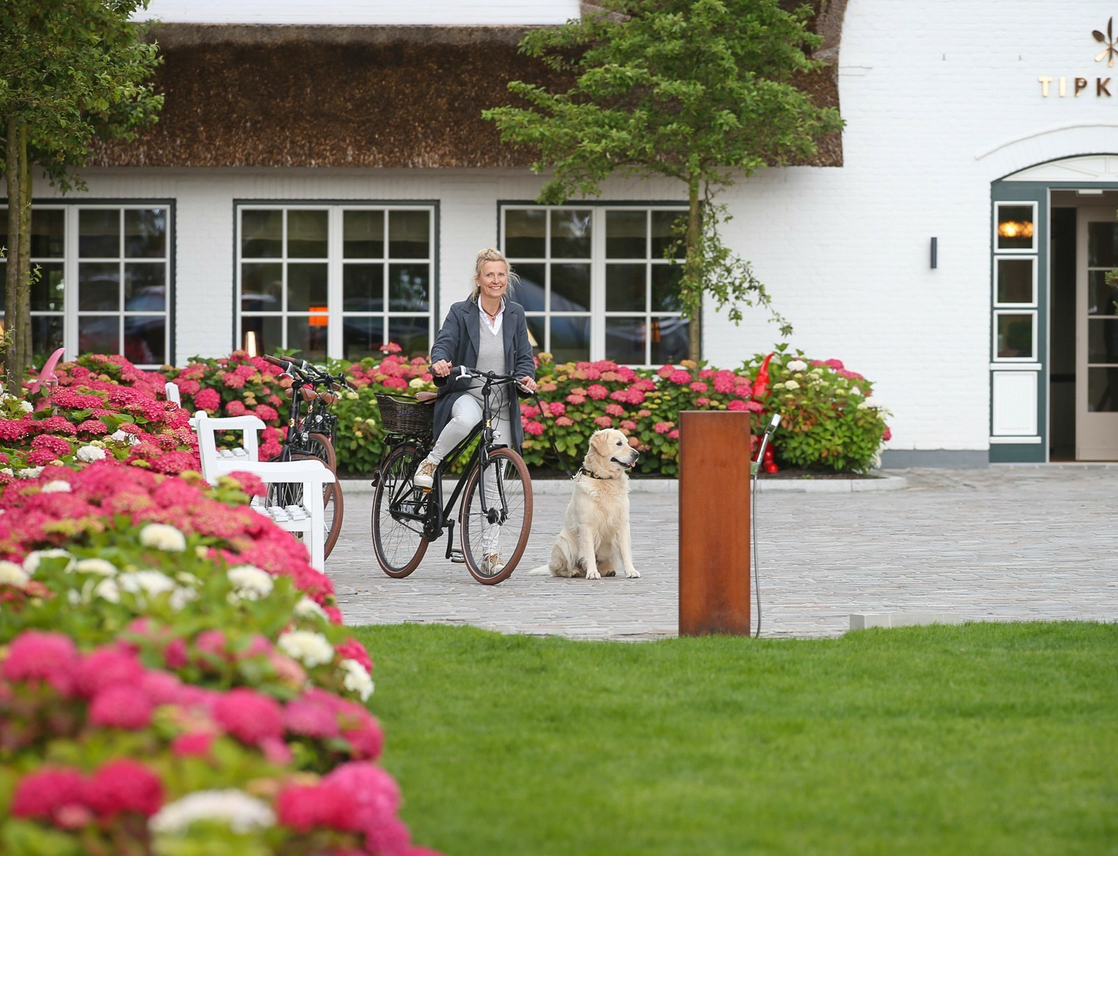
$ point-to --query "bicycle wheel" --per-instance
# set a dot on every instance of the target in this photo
(399, 513)
(494, 540)
(291, 495)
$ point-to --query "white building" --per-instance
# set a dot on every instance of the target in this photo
(329, 185)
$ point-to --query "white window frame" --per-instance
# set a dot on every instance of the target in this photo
(1031, 254)
(598, 265)
(335, 262)
(70, 271)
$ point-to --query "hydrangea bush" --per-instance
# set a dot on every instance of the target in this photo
(176, 677)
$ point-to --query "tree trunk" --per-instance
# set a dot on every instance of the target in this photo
(692, 265)
(17, 287)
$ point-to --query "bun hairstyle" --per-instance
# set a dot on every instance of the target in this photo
(484, 256)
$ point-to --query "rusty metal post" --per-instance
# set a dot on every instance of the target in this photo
(713, 523)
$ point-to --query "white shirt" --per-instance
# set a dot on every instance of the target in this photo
(493, 326)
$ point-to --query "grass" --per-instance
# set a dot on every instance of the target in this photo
(972, 739)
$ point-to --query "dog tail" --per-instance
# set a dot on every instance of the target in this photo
(540, 571)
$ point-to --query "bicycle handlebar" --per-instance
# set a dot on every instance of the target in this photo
(461, 371)
(308, 373)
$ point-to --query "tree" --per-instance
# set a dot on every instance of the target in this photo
(71, 71)
(697, 90)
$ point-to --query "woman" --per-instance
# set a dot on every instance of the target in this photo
(490, 333)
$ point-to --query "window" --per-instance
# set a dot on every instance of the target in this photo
(594, 282)
(115, 260)
(1015, 284)
(336, 280)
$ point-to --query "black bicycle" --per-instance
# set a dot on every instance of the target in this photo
(495, 488)
(311, 429)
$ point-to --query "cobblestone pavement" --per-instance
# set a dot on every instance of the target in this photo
(996, 544)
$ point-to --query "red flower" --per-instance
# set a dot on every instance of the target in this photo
(234, 408)
(109, 665)
(597, 392)
(124, 786)
(534, 428)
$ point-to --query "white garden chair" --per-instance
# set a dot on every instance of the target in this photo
(306, 519)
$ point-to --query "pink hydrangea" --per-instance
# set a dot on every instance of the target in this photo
(699, 386)
(557, 408)
(680, 377)
(249, 716)
(564, 421)
(44, 793)
(614, 410)
(121, 706)
(109, 665)
(309, 716)
(53, 444)
(208, 400)
(662, 427)
(666, 371)
(124, 786)
(266, 413)
(194, 745)
(737, 406)
(603, 422)
(674, 434)
(351, 648)
(45, 656)
(627, 424)
(597, 392)
(534, 428)
(234, 408)
(306, 808)
(575, 399)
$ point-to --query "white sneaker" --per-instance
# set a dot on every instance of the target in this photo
(425, 475)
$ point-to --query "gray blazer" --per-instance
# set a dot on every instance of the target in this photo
(458, 342)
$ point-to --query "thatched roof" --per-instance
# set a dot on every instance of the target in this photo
(370, 97)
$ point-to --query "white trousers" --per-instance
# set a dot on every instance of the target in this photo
(466, 413)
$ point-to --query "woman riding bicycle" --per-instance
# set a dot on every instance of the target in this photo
(489, 333)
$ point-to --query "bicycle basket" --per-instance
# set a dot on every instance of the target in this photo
(405, 416)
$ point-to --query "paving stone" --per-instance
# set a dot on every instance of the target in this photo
(1006, 543)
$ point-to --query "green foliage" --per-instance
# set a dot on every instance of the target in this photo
(71, 71)
(970, 739)
(829, 419)
(701, 91)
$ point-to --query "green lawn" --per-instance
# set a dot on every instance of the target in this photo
(973, 739)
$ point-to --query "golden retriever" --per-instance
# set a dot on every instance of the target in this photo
(595, 540)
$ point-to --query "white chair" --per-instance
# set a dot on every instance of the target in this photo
(313, 475)
(173, 393)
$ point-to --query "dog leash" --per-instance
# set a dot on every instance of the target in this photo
(555, 449)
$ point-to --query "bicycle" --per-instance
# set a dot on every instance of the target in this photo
(495, 488)
(310, 435)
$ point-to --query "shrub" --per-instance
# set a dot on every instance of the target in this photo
(829, 419)
(176, 678)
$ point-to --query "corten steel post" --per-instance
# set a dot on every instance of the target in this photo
(714, 523)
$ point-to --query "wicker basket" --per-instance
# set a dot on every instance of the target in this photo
(405, 416)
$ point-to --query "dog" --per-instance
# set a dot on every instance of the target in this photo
(595, 540)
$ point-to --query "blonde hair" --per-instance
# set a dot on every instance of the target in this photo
(484, 256)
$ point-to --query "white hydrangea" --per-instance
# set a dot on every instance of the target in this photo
(124, 437)
(108, 590)
(357, 679)
(30, 473)
(871, 402)
(31, 562)
(238, 809)
(416, 382)
(165, 537)
(792, 385)
(309, 647)
(90, 454)
(797, 365)
(12, 574)
(250, 582)
(8, 471)
(57, 487)
(307, 608)
(147, 581)
(181, 596)
(92, 567)
(26, 407)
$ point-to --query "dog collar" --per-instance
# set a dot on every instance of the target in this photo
(589, 473)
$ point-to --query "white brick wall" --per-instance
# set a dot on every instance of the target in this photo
(940, 100)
